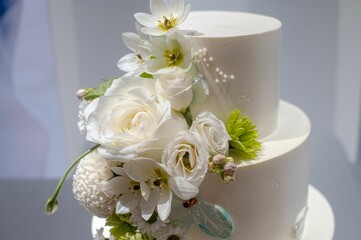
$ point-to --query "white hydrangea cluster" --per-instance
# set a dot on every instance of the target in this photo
(92, 173)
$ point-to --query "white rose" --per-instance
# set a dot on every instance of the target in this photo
(211, 131)
(128, 121)
(187, 160)
(175, 87)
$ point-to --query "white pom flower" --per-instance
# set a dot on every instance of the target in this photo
(90, 176)
(164, 18)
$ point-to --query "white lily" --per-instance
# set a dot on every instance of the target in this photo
(156, 185)
(135, 61)
(164, 18)
(173, 53)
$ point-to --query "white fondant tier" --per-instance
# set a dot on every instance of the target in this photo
(271, 191)
(240, 64)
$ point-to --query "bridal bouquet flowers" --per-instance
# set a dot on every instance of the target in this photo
(151, 151)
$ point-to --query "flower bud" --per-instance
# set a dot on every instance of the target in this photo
(229, 159)
(229, 179)
(230, 168)
(210, 166)
(81, 93)
(219, 159)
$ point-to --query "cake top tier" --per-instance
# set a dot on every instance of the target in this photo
(215, 24)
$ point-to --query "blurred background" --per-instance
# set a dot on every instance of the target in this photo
(49, 49)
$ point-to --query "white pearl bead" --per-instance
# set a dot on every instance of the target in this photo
(232, 76)
(217, 70)
(211, 59)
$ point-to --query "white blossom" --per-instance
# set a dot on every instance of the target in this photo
(172, 53)
(129, 121)
(135, 61)
(212, 132)
(91, 175)
(164, 18)
(187, 160)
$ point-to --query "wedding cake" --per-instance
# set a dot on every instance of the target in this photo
(193, 141)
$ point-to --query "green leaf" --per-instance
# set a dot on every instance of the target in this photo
(120, 226)
(99, 91)
(146, 75)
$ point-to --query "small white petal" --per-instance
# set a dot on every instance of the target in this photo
(129, 63)
(153, 31)
(145, 191)
(119, 171)
(185, 14)
(176, 7)
(131, 40)
(116, 186)
(159, 8)
(146, 19)
(126, 203)
(148, 207)
(164, 205)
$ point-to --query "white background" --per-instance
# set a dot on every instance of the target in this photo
(61, 47)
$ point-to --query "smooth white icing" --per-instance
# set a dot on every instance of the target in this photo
(269, 193)
(246, 47)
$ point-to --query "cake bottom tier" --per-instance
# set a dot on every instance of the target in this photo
(319, 225)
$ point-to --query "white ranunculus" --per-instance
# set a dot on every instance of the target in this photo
(172, 53)
(212, 132)
(175, 87)
(187, 160)
(164, 18)
(128, 121)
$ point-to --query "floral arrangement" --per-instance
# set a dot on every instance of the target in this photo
(151, 155)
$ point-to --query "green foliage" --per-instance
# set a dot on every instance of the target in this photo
(146, 75)
(93, 93)
(244, 144)
(120, 226)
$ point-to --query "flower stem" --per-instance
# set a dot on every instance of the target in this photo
(187, 116)
(52, 204)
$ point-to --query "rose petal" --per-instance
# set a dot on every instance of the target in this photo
(183, 189)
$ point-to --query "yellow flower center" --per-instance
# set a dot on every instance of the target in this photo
(167, 23)
(173, 57)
